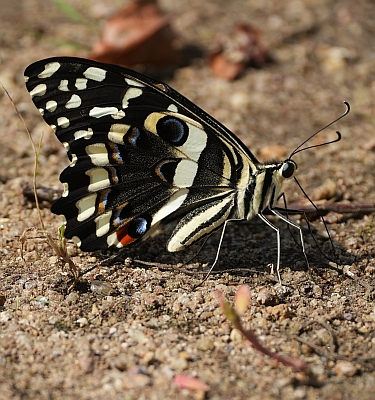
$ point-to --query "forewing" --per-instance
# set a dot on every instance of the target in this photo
(140, 152)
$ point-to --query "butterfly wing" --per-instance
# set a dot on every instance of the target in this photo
(140, 154)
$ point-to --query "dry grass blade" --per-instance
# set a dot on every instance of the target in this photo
(59, 247)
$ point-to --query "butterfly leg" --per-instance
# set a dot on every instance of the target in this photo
(291, 223)
(277, 230)
(217, 252)
(198, 252)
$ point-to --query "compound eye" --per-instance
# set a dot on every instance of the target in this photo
(288, 169)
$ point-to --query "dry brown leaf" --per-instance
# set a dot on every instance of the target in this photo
(139, 33)
(242, 49)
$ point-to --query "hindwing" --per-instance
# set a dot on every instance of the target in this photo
(140, 154)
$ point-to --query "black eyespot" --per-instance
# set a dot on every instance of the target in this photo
(288, 169)
(172, 130)
(139, 226)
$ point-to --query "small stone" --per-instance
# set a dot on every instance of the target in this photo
(136, 377)
(345, 368)
(82, 321)
(86, 364)
(178, 364)
(136, 381)
(185, 355)
(317, 290)
(370, 270)
(236, 336)
(29, 285)
(348, 316)
(72, 298)
(149, 357)
(101, 288)
(122, 362)
(205, 344)
(266, 298)
(53, 320)
(280, 311)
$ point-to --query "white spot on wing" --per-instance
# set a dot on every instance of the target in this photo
(49, 70)
(74, 102)
(66, 146)
(131, 93)
(39, 90)
(117, 132)
(83, 134)
(53, 127)
(96, 74)
(63, 122)
(132, 82)
(99, 179)
(26, 78)
(77, 241)
(66, 190)
(173, 108)
(99, 112)
(98, 154)
(113, 241)
(103, 223)
(51, 105)
(63, 86)
(185, 173)
(86, 207)
(74, 160)
(81, 83)
(118, 115)
(174, 203)
(195, 143)
(41, 111)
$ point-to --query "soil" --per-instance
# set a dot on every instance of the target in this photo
(125, 331)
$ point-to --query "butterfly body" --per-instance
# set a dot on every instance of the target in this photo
(141, 155)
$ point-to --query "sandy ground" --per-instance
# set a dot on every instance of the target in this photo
(126, 331)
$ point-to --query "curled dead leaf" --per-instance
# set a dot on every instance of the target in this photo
(242, 49)
(139, 33)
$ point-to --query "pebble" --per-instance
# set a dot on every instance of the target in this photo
(72, 298)
(345, 368)
(236, 336)
(101, 288)
(82, 321)
(280, 311)
(205, 344)
(135, 381)
(86, 364)
(266, 298)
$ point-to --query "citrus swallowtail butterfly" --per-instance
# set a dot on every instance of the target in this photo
(141, 154)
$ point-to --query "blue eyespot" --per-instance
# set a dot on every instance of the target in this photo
(173, 130)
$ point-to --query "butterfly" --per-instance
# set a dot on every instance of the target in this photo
(141, 155)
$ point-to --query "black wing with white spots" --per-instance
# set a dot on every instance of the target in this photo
(140, 154)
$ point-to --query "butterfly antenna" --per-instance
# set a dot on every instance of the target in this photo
(300, 148)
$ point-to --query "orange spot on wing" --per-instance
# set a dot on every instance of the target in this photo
(123, 237)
